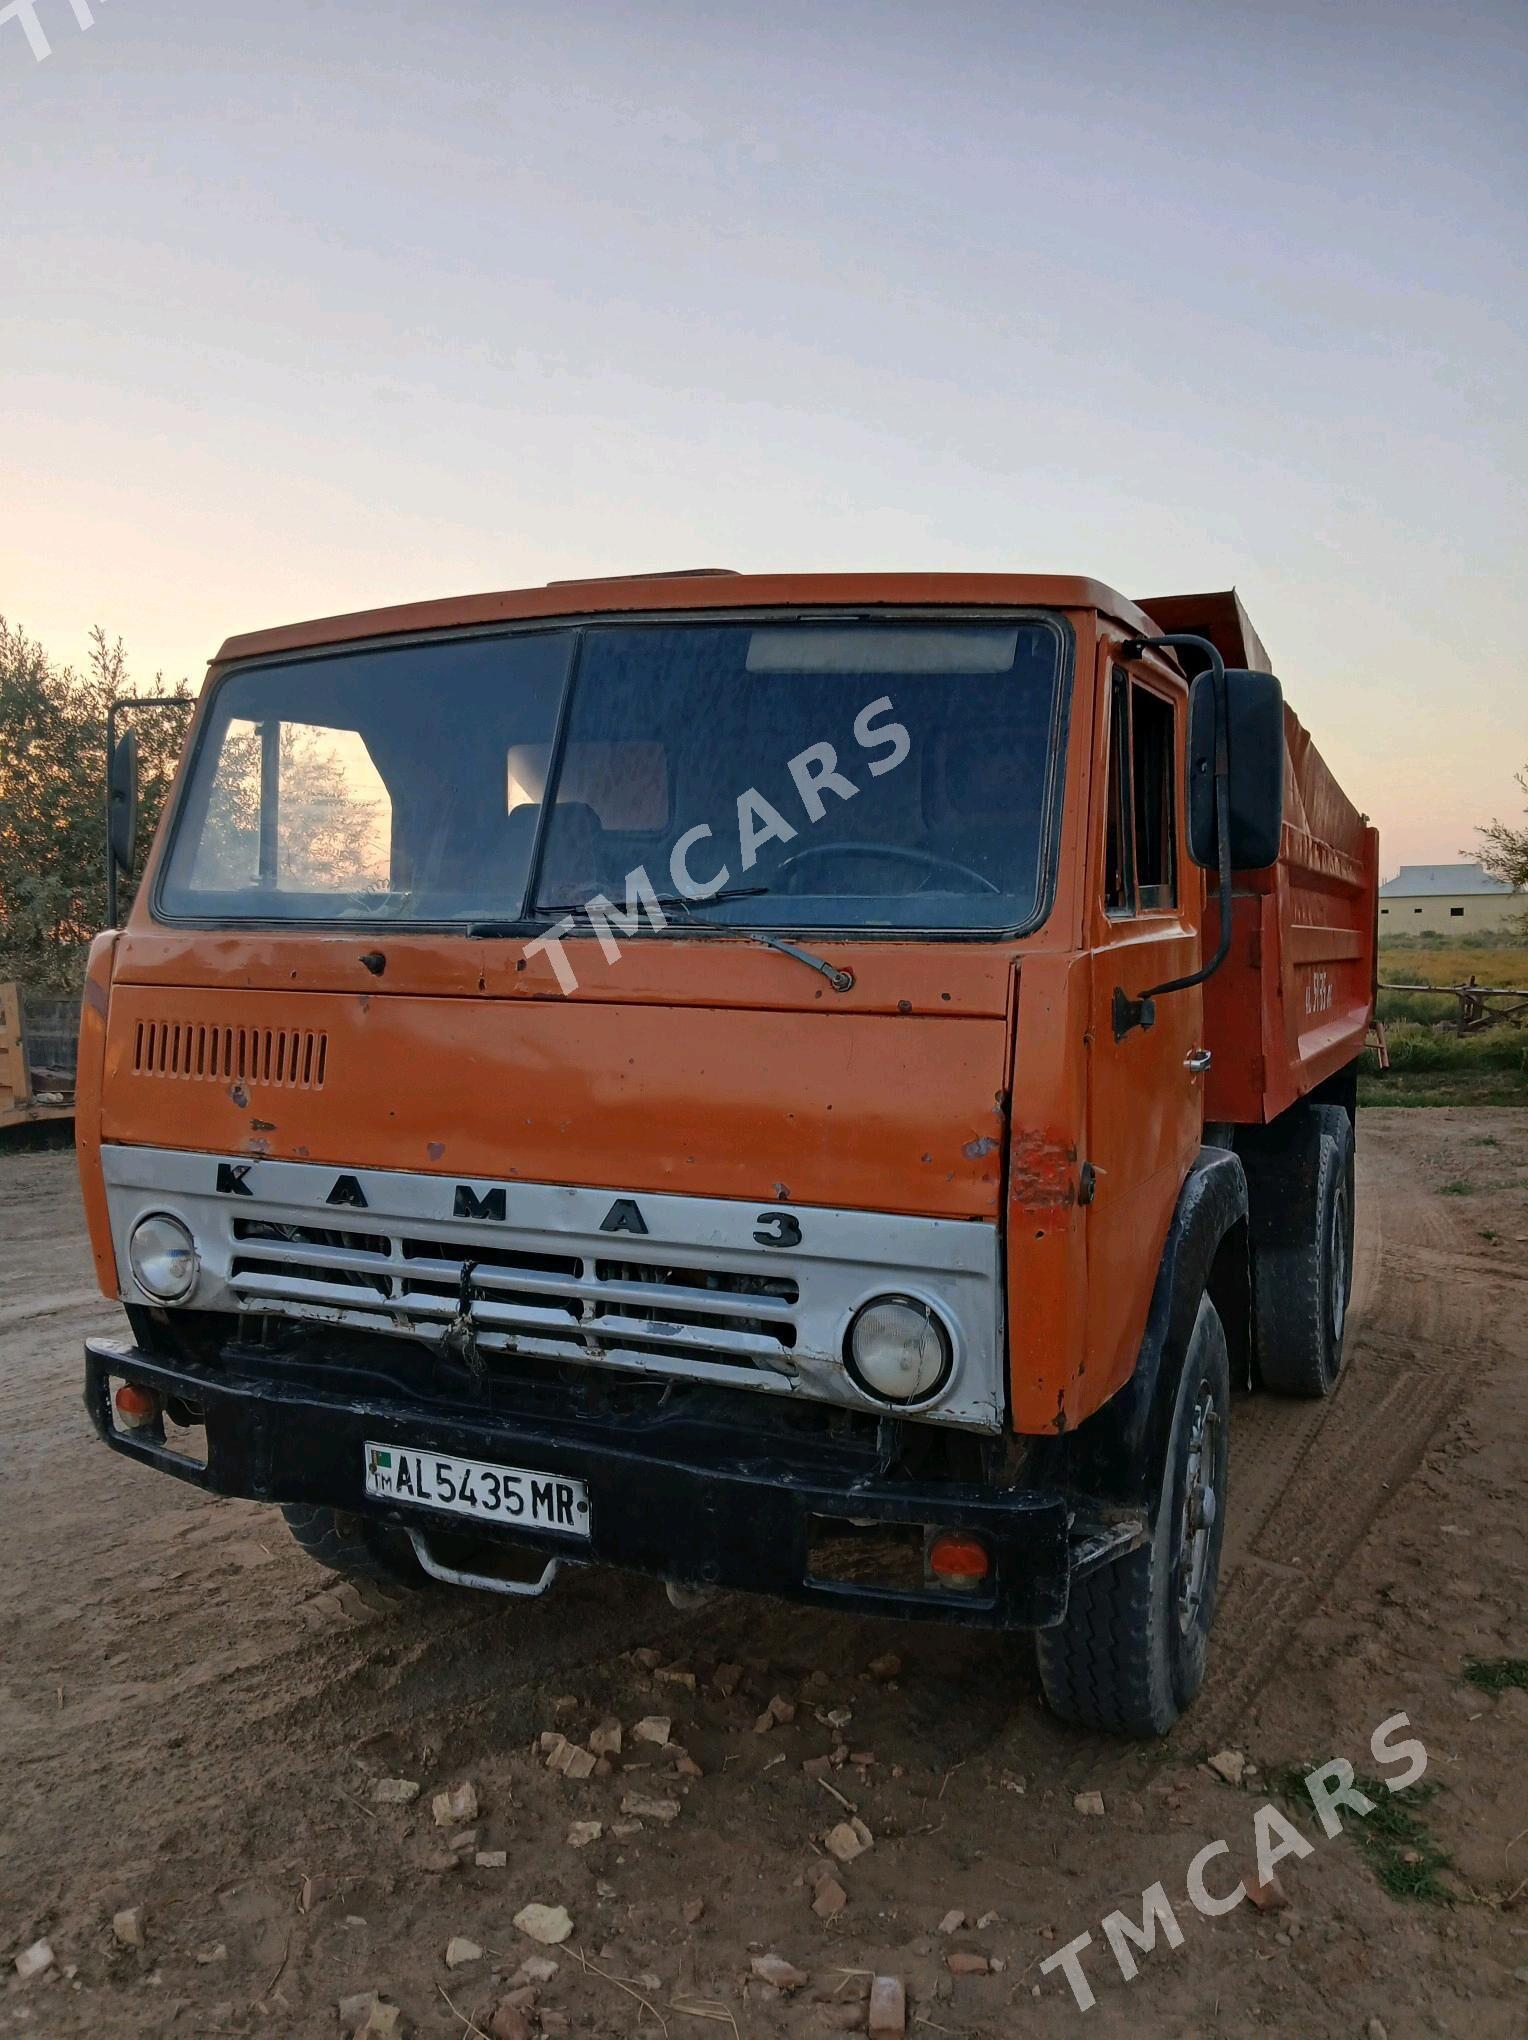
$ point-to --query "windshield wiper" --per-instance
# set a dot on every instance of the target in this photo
(683, 901)
(840, 980)
(548, 910)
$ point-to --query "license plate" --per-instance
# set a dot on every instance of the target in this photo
(471, 1487)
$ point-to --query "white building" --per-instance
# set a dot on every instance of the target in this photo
(1447, 899)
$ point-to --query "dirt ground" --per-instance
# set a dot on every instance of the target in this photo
(193, 1719)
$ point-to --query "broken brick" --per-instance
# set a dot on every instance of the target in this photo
(886, 2017)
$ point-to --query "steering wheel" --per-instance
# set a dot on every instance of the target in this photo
(893, 853)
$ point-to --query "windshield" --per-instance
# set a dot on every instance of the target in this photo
(834, 773)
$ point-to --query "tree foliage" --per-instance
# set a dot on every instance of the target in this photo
(334, 812)
(332, 835)
(52, 800)
(1504, 850)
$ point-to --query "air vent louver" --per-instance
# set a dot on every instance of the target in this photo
(293, 1058)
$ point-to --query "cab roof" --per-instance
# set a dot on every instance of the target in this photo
(694, 589)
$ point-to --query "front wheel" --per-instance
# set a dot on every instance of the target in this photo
(1131, 1652)
(352, 1545)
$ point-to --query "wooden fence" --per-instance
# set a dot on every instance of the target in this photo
(1479, 1006)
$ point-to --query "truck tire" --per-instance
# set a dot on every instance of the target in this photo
(350, 1545)
(1338, 1123)
(1131, 1652)
(1301, 1291)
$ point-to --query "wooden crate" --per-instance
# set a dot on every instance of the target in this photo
(19, 1103)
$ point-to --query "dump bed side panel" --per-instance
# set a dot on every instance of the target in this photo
(1293, 1001)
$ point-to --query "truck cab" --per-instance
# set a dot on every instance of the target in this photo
(715, 1075)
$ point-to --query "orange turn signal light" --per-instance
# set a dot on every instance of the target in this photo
(136, 1406)
(955, 1556)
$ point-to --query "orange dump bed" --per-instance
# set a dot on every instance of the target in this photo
(1292, 1003)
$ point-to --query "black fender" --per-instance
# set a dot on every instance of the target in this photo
(1117, 1455)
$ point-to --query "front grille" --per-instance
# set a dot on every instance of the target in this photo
(293, 1058)
(519, 1280)
(532, 1300)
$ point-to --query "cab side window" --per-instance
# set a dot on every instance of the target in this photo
(1141, 835)
(1119, 864)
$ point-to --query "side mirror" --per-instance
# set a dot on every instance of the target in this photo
(122, 801)
(1255, 750)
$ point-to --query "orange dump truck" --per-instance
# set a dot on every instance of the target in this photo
(813, 1083)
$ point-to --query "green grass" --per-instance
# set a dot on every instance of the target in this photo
(1415, 1048)
(1431, 1066)
(1496, 1674)
(1458, 1188)
(1500, 958)
(1393, 1840)
(1479, 1091)
(1493, 959)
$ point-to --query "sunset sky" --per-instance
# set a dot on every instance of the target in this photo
(329, 303)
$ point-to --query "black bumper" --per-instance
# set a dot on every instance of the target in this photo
(687, 1506)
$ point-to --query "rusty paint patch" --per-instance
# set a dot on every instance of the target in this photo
(984, 1144)
(238, 1094)
(262, 1125)
(1041, 1172)
(434, 1149)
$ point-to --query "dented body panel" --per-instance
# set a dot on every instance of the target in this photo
(789, 1105)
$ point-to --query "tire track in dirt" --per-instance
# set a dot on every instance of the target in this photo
(226, 1705)
(1307, 1479)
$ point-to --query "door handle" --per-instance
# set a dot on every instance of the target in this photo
(1198, 1060)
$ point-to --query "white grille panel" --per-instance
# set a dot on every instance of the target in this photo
(690, 1287)
(418, 1285)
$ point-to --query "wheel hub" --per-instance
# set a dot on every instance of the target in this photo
(1339, 1309)
(1200, 1508)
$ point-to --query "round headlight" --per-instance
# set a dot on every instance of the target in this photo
(163, 1258)
(898, 1350)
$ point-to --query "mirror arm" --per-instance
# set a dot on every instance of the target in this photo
(126, 701)
(111, 853)
(1141, 1012)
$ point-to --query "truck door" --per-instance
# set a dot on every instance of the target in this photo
(1145, 1111)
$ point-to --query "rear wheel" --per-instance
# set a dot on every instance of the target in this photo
(1336, 1121)
(1301, 1289)
(1132, 1650)
(352, 1545)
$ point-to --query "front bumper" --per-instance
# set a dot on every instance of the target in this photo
(679, 1501)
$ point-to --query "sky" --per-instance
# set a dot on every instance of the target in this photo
(312, 305)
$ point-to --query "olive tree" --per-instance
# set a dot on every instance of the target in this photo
(52, 799)
(1504, 850)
